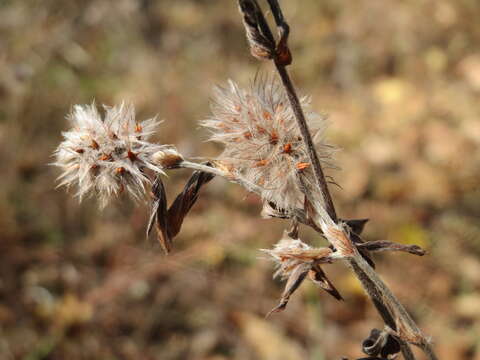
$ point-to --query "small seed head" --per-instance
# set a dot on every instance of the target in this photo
(109, 155)
(262, 141)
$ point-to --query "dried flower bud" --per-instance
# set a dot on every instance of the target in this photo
(107, 156)
(289, 253)
(295, 261)
(262, 46)
(262, 141)
(167, 158)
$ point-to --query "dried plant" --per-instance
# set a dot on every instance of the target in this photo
(273, 147)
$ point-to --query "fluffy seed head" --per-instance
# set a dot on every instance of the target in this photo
(262, 141)
(107, 156)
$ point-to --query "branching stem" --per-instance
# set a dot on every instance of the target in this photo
(251, 187)
(297, 214)
(392, 312)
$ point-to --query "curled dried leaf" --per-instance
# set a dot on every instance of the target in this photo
(381, 343)
(159, 215)
(185, 200)
(169, 222)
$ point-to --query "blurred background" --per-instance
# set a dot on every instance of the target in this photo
(400, 81)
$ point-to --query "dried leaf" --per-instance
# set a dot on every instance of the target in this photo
(153, 215)
(295, 279)
(318, 276)
(185, 200)
(375, 342)
(356, 225)
(159, 215)
(381, 343)
(384, 245)
(169, 222)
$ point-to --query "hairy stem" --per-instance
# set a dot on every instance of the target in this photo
(372, 283)
(218, 172)
(297, 214)
(307, 138)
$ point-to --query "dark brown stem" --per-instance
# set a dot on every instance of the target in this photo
(280, 64)
(307, 138)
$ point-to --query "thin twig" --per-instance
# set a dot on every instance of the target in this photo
(307, 138)
(299, 115)
(296, 214)
(251, 187)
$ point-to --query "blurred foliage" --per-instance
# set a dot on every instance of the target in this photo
(401, 83)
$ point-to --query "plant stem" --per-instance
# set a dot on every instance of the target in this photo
(390, 309)
(216, 171)
(307, 138)
(297, 214)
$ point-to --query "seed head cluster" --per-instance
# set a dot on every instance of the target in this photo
(107, 156)
(262, 141)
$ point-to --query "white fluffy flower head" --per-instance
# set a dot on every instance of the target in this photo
(262, 141)
(107, 156)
